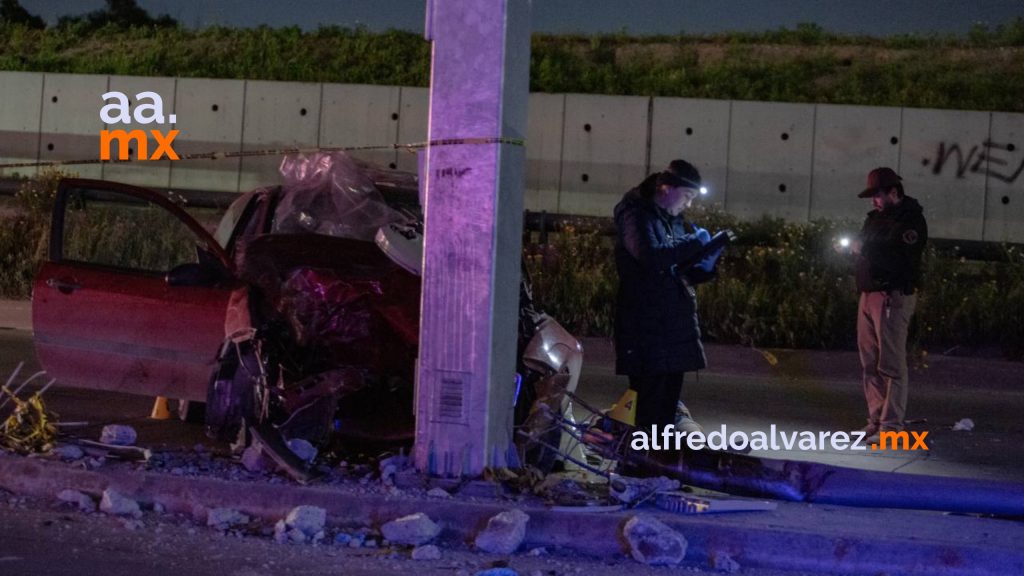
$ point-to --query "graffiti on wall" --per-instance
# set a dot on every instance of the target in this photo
(989, 158)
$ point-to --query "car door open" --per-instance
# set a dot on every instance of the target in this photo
(133, 295)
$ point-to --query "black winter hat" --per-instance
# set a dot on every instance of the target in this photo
(686, 171)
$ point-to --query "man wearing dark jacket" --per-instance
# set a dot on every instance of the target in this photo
(888, 276)
(657, 335)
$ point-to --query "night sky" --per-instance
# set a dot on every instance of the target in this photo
(640, 17)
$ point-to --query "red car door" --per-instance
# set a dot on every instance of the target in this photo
(134, 295)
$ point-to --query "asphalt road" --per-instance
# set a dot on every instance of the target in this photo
(813, 391)
(795, 391)
(819, 391)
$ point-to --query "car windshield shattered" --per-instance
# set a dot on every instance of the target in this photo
(328, 194)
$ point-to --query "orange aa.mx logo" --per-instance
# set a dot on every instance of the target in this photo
(120, 112)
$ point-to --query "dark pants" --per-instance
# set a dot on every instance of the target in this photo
(656, 398)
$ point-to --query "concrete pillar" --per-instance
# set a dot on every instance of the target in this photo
(473, 175)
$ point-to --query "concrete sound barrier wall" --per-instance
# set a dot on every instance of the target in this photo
(795, 161)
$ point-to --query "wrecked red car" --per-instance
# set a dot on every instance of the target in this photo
(300, 312)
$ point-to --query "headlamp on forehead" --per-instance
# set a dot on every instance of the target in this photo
(696, 185)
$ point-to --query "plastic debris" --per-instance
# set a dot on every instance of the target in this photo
(29, 428)
(303, 449)
(328, 194)
(635, 490)
(685, 503)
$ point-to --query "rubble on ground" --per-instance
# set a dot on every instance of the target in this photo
(303, 523)
(413, 530)
(116, 504)
(254, 460)
(504, 532)
(963, 425)
(68, 452)
(391, 466)
(652, 542)
(82, 501)
(427, 552)
(225, 518)
(723, 562)
(118, 435)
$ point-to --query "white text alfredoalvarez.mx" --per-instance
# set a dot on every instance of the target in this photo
(671, 438)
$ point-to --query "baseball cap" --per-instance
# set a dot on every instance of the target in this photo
(880, 178)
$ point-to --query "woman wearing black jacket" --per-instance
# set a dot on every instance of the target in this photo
(657, 332)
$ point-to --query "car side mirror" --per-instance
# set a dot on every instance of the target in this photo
(193, 274)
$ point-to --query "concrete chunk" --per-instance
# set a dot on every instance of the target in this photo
(428, 552)
(280, 532)
(83, 501)
(307, 519)
(296, 536)
(118, 435)
(115, 503)
(68, 452)
(414, 529)
(254, 460)
(654, 543)
(225, 518)
(504, 532)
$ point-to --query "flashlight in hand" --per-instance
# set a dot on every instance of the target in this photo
(847, 244)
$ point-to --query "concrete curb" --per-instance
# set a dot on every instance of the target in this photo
(797, 536)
